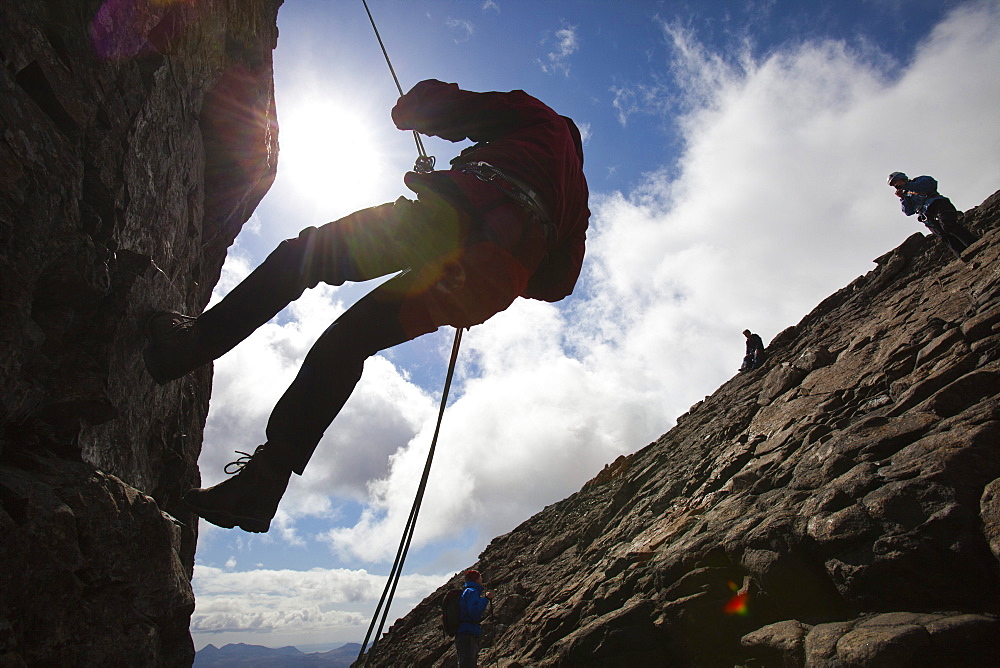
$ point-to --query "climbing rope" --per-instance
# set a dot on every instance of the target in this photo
(411, 522)
(423, 164)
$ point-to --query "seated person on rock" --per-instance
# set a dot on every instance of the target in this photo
(754, 356)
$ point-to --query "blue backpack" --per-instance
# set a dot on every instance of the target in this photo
(925, 185)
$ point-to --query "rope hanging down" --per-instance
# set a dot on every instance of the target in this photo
(423, 164)
(411, 522)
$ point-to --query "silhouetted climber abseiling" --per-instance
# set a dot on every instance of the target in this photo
(920, 196)
(508, 220)
(754, 356)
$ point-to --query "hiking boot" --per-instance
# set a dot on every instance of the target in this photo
(248, 500)
(173, 349)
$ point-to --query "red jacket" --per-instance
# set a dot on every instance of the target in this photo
(525, 138)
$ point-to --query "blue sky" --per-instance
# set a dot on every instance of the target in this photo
(736, 153)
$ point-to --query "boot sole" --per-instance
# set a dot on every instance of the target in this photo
(226, 520)
(156, 370)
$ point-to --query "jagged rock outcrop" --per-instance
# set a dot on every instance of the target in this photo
(838, 507)
(137, 138)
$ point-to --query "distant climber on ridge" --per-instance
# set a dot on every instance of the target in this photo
(755, 351)
(507, 220)
(920, 196)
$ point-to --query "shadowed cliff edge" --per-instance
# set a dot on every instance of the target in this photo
(839, 506)
(138, 137)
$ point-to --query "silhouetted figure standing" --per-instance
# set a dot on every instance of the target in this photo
(755, 351)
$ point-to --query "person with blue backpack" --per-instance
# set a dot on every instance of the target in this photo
(471, 606)
(920, 196)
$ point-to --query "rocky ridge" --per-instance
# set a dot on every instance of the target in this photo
(137, 138)
(838, 507)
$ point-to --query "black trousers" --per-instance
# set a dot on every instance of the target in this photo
(942, 221)
(459, 266)
(467, 648)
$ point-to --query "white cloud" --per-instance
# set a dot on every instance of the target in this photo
(696, 77)
(288, 605)
(525, 425)
(463, 28)
(566, 44)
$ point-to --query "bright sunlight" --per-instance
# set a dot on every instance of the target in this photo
(329, 155)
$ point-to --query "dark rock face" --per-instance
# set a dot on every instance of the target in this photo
(137, 138)
(838, 507)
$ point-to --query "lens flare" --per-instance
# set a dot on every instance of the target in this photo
(124, 29)
(738, 604)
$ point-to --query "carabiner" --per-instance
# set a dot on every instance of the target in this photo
(424, 164)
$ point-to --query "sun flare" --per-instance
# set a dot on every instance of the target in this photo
(329, 155)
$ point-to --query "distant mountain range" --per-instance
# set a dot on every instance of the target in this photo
(257, 656)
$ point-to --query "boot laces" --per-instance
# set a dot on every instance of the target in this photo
(236, 467)
(181, 321)
(169, 321)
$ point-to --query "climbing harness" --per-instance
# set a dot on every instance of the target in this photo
(509, 185)
(424, 164)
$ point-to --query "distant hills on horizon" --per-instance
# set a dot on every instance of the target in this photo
(258, 656)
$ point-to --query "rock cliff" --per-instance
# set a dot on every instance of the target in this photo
(839, 506)
(137, 138)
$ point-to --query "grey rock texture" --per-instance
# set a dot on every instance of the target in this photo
(135, 140)
(847, 494)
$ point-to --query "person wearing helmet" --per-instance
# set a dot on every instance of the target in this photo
(920, 196)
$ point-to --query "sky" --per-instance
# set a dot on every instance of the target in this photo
(737, 155)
